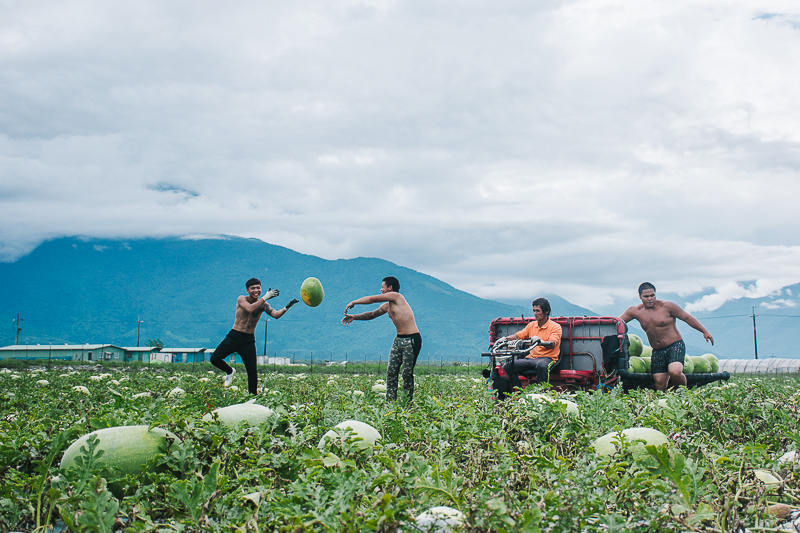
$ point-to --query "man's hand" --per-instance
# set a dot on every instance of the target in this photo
(290, 304)
(707, 336)
(270, 294)
(349, 307)
(536, 339)
(347, 319)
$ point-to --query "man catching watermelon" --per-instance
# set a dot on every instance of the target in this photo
(657, 318)
(241, 339)
(408, 342)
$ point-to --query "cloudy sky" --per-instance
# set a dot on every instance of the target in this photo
(505, 147)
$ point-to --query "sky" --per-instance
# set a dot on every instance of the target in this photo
(509, 148)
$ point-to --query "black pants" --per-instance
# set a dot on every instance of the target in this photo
(541, 365)
(245, 345)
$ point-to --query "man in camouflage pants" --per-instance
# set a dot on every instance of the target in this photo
(408, 342)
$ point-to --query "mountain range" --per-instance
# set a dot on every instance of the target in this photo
(183, 292)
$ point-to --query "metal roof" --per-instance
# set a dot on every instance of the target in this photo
(182, 350)
(55, 347)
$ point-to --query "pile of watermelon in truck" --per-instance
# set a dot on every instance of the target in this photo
(594, 356)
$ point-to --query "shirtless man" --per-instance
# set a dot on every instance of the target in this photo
(408, 342)
(657, 318)
(241, 338)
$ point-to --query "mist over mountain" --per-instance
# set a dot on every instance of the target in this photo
(184, 291)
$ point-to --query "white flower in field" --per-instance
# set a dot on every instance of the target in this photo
(380, 382)
(105, 375)
(14, 376)
(43, 382)
(142, 395)
(10, 394)
(357, 392)
(96, 378)
(211, 372)
(274, 392)
(173, 378)
(177, 391)
(115, 382)
(5, 371)
(233, 388)
(123, 379)
(63, 375)
(38, 371)
(80, 388)
(159, 377)
(204, 380)
(478, 380)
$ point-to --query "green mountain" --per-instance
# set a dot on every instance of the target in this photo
(184, 291)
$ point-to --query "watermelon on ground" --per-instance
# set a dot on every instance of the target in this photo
(127, 448)
(688, 365)
(647, 362)
(364, 435)
(249, 412)
(605, 445)
(647, 351)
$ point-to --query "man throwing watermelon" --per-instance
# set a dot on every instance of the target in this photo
(241, 339)
(657, 318)
(408, 342)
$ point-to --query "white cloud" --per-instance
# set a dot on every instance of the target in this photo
(779, 304)
(574, 147)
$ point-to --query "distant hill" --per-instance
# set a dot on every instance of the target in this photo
(77, 290)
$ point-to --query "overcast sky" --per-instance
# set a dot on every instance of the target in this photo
(506, 147)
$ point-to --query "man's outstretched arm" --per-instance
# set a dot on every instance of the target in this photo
(369, 315)
(676, 311)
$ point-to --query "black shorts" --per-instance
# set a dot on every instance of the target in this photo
(662, 358)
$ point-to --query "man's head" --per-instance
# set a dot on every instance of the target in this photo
(390, 284)
(647, 294)
(253, 287)
(543, 308)
(646, 285)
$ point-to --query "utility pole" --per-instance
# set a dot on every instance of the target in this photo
(138, 329)
(755, 341)
(16, 342)
(266, 328)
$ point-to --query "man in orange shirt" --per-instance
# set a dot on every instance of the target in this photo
(540, 357)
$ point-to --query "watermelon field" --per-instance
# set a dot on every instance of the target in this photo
(525, 465)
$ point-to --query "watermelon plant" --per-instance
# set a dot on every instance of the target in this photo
(324, 453)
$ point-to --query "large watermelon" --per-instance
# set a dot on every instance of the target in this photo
(688, 365)
(605, 445)
(249, 412)
(311, 292)
(701, 365)
(712, 361)
(636, 345)
(367, 434)
(127, 448)
(647, 363)
(636, 365)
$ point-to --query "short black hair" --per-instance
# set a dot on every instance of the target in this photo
(543, 304)
(646, 285)
(252, 281)
(392, 282)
